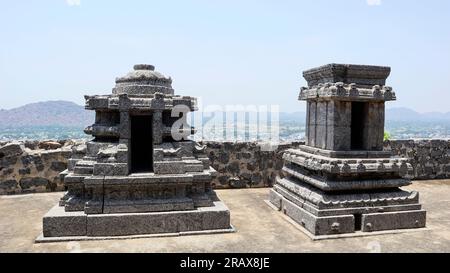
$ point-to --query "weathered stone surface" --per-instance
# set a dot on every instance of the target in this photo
(58, 166)
(35, 163)
(31, 182)
(390, 221)
(211, 218)
(11, 149)
(7, 172)
(24, 171)
(8, 161)
(58, 223)
(237, 183)
(430, 158)
(244, 164)
(8, 184)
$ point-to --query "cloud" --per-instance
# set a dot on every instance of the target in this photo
(73, 2)
(373, 2)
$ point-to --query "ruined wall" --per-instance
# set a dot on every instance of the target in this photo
(245, 164)
(35, 166)
(429, 158)
(31, 166)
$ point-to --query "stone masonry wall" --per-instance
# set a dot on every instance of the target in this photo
(245, 164)
(32, 166)
(429, 158)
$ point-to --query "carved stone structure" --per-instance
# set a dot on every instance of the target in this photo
(137, 177)
(342, 181)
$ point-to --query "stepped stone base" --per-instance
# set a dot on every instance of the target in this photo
(322, 222)
(59, 224)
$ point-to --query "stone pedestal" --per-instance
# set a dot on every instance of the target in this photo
(342, 181)
(140, 174)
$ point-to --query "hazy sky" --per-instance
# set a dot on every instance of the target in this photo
(226, 52)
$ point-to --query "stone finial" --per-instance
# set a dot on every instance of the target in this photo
(143, 80)
(144, 67)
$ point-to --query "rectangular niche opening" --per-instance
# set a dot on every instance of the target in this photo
(359, 121)
(141, 144)
(358, 222)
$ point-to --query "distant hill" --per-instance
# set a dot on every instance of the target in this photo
(66, 113)
(408, 115)
(49, 113)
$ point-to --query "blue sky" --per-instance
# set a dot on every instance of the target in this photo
(226, 52)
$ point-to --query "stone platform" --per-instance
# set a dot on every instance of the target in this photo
(60, 225)
(353, 220)
(353, 192)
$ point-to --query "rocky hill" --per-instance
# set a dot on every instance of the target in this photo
(49, 113)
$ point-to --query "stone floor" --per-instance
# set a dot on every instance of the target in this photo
(260, 229)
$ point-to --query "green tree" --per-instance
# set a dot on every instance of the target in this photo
(387, 136)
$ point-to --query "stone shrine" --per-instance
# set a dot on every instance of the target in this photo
(136, 177)
(341, 181)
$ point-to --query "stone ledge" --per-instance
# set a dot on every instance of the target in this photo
(328, 227)
(74, 225)
(343, 236)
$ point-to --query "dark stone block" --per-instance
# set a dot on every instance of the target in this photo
(279, 164)
(11, 149)
(8, 171)
(40, 167)
(223, 158)
(223, 180)
(236, 183)
(32, 145)
(8, 184)
(8, 161)
(33, 159)
(251, 166)
(52, 186)
(233, 167)
(27, 183)
(58, 166)
(228, 146)
(447, 169)
(246, 176)
(27, 160)
(24, 171)
(256, 178)
(246, 155)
